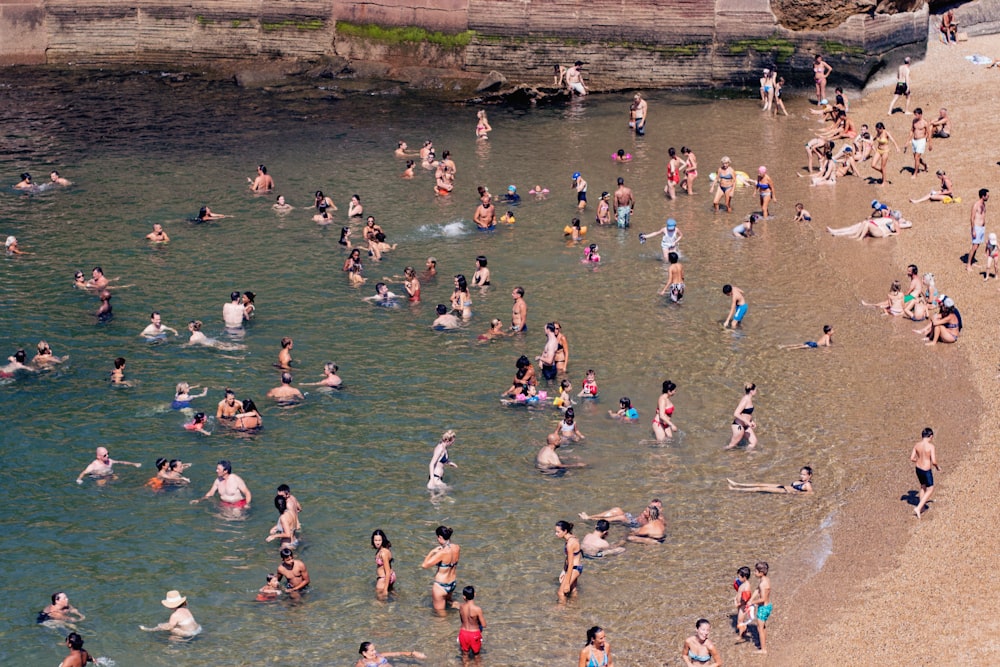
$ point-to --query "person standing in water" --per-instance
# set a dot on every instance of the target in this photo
(439, 459)
(470, 636)
(263, 182)
(641, 109)
(580, 185)
(444, 557)
(624, 203)
(737, 308)
(743, 423)
(573, 563)
(181, 622)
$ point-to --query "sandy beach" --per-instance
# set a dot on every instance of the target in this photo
(881, 597)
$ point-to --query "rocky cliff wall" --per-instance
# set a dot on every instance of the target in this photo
(625, 43)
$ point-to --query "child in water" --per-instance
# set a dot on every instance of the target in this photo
(563, 400)
(590, 254)
(567, 427)
(508, 218)
(589, 386)
(270, 590)
(625, 410)
(604, 210)
(801, 214)
(198, 424)
(621, 156)
(826, 340)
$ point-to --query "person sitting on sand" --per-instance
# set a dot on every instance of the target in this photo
(941, 126)
(802, 485)
(938, 195)
(893, 305)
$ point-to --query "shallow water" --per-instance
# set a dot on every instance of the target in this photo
(141, 150)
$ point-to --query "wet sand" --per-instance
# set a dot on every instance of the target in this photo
(896, 590)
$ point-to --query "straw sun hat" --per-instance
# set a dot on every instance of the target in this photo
(174, 600)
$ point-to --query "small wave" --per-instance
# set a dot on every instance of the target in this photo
(450, 229)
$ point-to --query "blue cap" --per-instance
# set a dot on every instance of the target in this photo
(511, 188)
(875, 203)
(671, 223)
(576, 175)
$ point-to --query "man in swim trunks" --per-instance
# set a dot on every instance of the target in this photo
(624, 203)
(98, 279)
(293, 571)
(675, 279)
(924, 457)
(263, 182)
(977, 223)
(941, 127)
(485, 216)
(920, 141)
(470, 636)
(158, 235)
(548, 356)
(737, 308)
(574, 79)
(640, 114)
(101, 465)
(762, 598)
(519, 313)
(902, 86)
(916, 286)
(233, 491)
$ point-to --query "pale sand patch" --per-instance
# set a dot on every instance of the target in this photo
(898, 591)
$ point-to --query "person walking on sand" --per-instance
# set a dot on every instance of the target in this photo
(902, 87)
(762, 598)
(920, 141)
(924, 458)
(977, 224)
(737, 308)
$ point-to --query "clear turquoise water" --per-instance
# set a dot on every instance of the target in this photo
(141, 150)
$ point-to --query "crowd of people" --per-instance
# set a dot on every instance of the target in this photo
(920, 302)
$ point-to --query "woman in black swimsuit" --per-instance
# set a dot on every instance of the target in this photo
(802, 485)
(743, 423)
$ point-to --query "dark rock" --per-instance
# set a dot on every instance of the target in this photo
(493, 81)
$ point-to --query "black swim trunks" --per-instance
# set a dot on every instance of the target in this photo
(549, 372)
(925, 477)
(902, 88)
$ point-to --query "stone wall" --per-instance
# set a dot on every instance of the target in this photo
(638, 43)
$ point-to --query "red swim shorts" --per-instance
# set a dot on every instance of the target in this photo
(470, 640)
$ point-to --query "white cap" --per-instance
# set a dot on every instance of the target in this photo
(11, 240)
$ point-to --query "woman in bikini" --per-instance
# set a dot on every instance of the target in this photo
(881, 161)
(385, 576)
(663, 426)
(765, 188)
(483, 127)
(821, 72)
(435, 477)
(597, 651)
(444, 557)
(743, 423)
(690, 169)
(698, 650)
(725, 180)
(562, 351)
(802, 485)
(573, 564)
